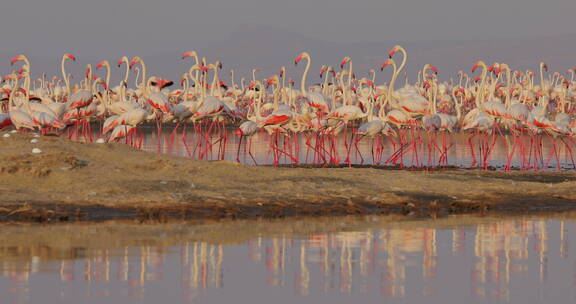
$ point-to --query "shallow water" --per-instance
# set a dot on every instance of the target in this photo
(460, 259)
(303, 149)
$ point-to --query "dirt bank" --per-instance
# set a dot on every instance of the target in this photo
(70, 181)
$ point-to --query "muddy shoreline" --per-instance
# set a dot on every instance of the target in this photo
(70, 181)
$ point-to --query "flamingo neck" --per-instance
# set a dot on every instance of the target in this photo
(65, 76)
(305, 75)
(127, 74)
(392, 82)
(404, 59)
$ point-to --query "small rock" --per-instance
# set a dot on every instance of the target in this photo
(36, 150)
(163, 182)
(34, 140)
(192, 186)
(6, 135)
(13, 131)
(36, 135)
(100, 141)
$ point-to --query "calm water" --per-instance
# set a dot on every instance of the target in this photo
(463, 259)
(430, 150)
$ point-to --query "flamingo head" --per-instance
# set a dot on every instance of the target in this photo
(385, 64)
(545, 67)
(204, 68)
(281, 73)
(270, 81)
(101, 64)
(344, 61)
(476, 79)
(322, 70)
(223, 85)
(16, 59)
(434, 69)
(189, 54)
(88, 71)
(163, 83)
(69, 57)
(120, 62)
(298, 58)
(134, 61)
(475, 66)
(393, 51)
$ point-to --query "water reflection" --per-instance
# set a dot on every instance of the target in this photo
(456, 259)
(462, 150)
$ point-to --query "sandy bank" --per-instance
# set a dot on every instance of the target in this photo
(71, 180)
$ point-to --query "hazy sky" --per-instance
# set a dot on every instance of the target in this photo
(107, 29)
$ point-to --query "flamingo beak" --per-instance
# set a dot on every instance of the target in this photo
(385, 64)
(475, 67)
(99, 65)
(297, 59)
(391, 53)
(434, 69)
(342, 63)
(15, 59)
(133, 62)
(162, 83)
(71, 57)
(188, 54)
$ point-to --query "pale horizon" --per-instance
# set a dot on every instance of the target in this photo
(246, 34)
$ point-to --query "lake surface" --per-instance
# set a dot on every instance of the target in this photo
(369, 259)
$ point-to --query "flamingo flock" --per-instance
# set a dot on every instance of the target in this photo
(524, 110)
